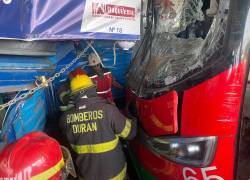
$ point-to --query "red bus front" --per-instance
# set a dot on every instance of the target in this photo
(186, 87)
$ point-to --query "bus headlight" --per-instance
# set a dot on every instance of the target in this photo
(196, 151)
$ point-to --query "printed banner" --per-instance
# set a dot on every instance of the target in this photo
(112, 16)
(70, 19)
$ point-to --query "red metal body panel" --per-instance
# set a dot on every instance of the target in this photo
(167, 170)
(210, 96)
(159, 115)
(213, 107)
(209, 109)
(130, 96)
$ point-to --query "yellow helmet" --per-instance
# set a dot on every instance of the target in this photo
(80, 82)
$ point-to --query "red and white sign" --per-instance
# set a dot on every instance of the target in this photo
(100, 9)
(112, 16)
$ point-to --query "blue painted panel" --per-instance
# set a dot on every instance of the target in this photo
(24, 62)
(25, 116)
(21, 71)
(18, 73)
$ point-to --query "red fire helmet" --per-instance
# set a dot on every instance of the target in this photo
(35, 156)
(77, 71)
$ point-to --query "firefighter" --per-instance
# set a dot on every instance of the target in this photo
(64, 90)
(102, 77)
(93, 127)
(35, 156)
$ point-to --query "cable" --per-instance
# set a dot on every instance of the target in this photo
(114, 51)
(9, 109)
(90, 45)
(114, 54)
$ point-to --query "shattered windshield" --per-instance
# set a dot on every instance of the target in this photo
(180, 37)
(174, 16)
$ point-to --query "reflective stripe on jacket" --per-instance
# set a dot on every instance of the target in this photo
(93, 128)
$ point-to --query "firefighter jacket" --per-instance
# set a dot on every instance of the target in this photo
(103, 82)
(93, 128)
